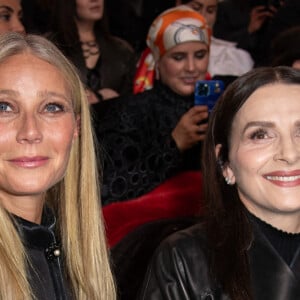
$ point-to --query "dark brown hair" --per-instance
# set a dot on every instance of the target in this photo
(228, 230)
(63, 25)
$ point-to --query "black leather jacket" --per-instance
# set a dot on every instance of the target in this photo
(45, 271)
(179, 270)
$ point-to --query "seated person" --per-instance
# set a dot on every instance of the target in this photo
(45, 239)
(248, 246)
(106, 63)
(226, 61)
(149, 137)
(247, 22)
(11, 16)
(285, 48)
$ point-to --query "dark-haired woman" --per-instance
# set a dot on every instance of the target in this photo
(106, 63)
(248, 247)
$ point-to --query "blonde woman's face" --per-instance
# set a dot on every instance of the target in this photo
(10, 16)
(37, 127)
(89, 10)
(181, 66)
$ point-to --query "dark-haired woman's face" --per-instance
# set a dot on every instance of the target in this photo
(207, 8)
(10, 16)
(264, 155)
(88, 10)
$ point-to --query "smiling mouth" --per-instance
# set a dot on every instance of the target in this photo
(30, 162)
(189, 80)
(283, 178)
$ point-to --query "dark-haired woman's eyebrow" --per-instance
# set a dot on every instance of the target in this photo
(6, 7)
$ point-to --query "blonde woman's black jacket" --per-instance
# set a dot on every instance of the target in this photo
(179, 270)
(45, 271)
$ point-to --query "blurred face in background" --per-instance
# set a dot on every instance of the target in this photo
(181, 66)
(10, 16)
(89, 10)
(207, 8)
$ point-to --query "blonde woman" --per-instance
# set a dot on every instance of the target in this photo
(52, 244)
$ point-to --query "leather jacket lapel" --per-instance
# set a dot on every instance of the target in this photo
(273, 279)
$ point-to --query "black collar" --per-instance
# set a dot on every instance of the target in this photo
(39, 236)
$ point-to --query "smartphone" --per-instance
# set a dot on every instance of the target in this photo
(207, 92)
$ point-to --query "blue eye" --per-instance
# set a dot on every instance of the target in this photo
(54, 107)
(4, 107)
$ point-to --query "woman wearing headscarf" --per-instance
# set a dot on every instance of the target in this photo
(149, 137)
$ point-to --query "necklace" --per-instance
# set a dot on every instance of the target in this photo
(89, 48)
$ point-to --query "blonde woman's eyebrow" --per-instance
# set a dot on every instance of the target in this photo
(7, 92)
(50, 94)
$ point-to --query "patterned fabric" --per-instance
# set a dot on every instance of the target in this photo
(175, 26)
(137, 149)
(145, 73)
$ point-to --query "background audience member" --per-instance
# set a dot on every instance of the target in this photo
(246, 23)
(149, 137)
(225, 58)
(248, 246)
(226, 62)
(287, 16)
(106, 63)
(11, 16)
(131, 19)
(285, 48)
(48, 249)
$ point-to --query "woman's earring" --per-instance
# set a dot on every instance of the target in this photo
(228, 180)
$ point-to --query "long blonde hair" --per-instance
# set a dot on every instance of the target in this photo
(75, 199)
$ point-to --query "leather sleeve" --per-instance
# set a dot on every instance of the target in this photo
(179, 270)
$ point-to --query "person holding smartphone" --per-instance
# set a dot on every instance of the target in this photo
(149, 137)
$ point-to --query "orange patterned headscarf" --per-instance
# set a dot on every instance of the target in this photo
(175, 26)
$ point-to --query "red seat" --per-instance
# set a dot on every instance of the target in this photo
(179, 196)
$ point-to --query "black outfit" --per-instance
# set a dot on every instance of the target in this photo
(45, 271)
(131, 256)
(138, 150)
(180, 268)
(232, 25)
(233, 20)
(114, 69)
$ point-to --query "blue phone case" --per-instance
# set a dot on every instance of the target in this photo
(207, 92)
